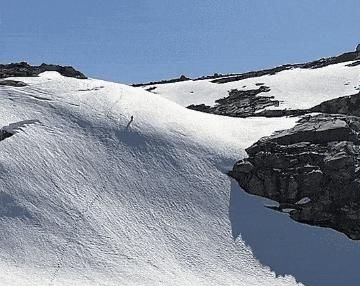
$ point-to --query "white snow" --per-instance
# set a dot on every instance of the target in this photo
(296, 88)
(303, 201)
(89, 202)
(86, 201)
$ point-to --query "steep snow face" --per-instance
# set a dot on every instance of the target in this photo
(295, 89)
(90, 198)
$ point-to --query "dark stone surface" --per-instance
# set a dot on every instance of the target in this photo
(23, 69)
(318, 159)
(346, 57)
(179, 79)
(354, 64)
(14, 83)
(239, 103)
(5, 134)
(248, 103)
(11, 129)
(349, 105)
(224, 78)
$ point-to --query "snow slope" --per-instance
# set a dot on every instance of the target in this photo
(86, 200)
(314, 256)
(295, 89)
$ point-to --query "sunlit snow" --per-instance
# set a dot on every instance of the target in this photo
(295, 89)
(110, 205)
(88, 198)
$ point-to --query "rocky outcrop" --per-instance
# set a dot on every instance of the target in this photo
(173, 80)
(312, 170)
(346, 57)
(25, 70)
(239, 103)
(249, 103)
(5, 134)
(354, 64)
(225, 78)
(14, 83)
(349, 105)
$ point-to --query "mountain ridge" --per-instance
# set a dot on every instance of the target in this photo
(223, 78)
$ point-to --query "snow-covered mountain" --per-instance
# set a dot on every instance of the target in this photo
(294, 86)
(90, 196)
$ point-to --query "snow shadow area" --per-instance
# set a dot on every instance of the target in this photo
(130, 137)
(13, 128)
(314, 256)
(10, 208)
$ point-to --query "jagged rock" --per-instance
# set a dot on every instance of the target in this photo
(349, 105)
(247, 103)
(173, 80)
(5, 134)
(354, 64)
(239, 103)
(14, 83)
(318, 159)
(346, 57)
(23, 69)
(225, 78)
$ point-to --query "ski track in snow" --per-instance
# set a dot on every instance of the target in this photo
(147, 205)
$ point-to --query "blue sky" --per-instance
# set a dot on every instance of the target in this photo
(142, 40)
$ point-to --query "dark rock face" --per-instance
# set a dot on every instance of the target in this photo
(311, 169)
(25, 70)
(14, 83)
(248, 103)
(346, 57)
(5, 134)
(179, 79)
(354, 64)
(349, 105)
(224, 78)
(239, 103)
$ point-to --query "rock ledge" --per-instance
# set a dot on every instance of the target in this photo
(312, 170)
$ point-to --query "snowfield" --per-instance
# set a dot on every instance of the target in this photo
(96, 203)
(89, 198)
(295, 89)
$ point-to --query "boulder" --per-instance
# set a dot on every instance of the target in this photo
(317, 159)
(14, 83)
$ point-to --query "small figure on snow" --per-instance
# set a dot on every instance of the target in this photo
(131, 120)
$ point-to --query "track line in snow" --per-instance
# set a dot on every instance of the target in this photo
(60, 256)
(82, 214)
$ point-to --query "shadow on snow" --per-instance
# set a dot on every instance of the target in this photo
(314, 256)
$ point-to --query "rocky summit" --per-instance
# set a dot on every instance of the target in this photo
(23, 69)
(311, 170)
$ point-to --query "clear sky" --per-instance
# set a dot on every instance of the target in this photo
(140, 40)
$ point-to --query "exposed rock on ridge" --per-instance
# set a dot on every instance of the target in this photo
(239, 103)
(224, 78)
(343, 105)
(14, 83)
(346, 57)
(25, 70)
